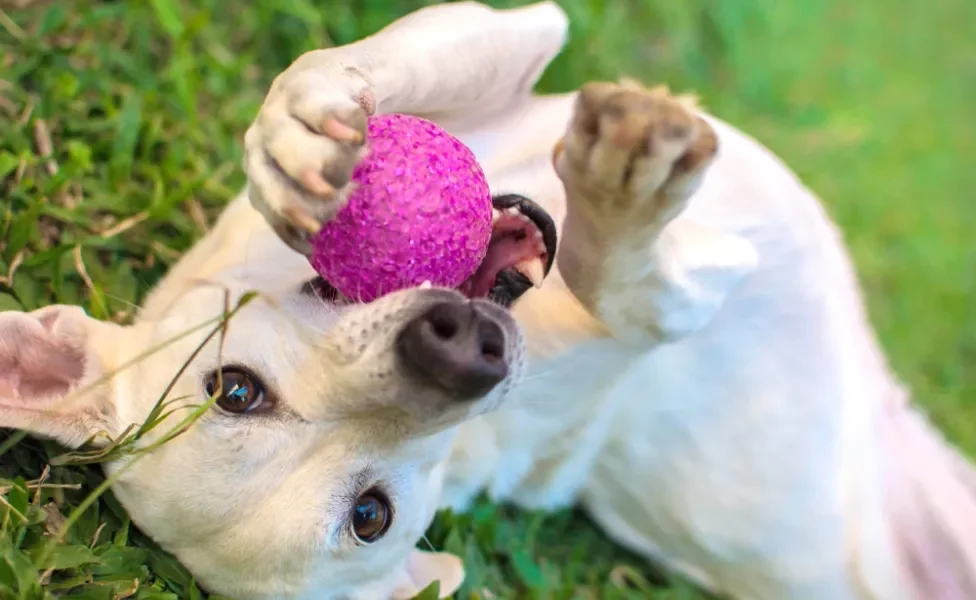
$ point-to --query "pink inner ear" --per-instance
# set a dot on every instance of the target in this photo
(37, 363)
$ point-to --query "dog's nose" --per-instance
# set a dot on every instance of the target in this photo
(456, 346)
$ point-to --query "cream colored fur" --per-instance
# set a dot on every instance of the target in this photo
(699, 372)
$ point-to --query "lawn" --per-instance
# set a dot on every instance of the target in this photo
(120, 131)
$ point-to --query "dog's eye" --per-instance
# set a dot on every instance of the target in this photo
(241, 391)
(371, 517)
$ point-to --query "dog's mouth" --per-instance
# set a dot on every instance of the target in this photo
(520, 255)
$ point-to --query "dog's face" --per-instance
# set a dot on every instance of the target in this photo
(317, 468)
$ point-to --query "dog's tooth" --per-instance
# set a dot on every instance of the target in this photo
(426, 285)
(533, 269)
(538, 234)
(512, 212)
(495, 215)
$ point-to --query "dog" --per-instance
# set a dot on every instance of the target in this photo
(684, 352)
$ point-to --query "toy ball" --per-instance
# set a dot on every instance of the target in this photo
(420, 212)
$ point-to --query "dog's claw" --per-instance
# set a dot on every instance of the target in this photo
(301, 219)
(313, 181)
(339, 131)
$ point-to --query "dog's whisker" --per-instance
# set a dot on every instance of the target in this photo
(536, 375)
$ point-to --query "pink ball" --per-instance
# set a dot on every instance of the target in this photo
(421, 212)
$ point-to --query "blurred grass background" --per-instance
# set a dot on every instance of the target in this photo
(120, 130)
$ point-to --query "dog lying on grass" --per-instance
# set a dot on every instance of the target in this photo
(691, 362)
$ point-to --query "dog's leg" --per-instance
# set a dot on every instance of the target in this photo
(630, 162)
(458, 61)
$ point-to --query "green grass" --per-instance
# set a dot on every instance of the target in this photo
(146, 103)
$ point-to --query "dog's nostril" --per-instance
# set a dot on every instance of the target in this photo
(492, 343)
(491, 353)
(455, 346)
(444, 327)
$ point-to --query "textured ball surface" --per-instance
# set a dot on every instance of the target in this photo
(421, 212)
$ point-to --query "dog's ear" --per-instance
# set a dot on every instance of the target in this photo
(52, 362)
(423, 568)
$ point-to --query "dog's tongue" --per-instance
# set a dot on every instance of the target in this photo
(515, 243)
(503, 255)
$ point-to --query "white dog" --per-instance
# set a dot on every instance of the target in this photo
(697, 368)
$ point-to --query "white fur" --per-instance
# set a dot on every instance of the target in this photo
(702, 378)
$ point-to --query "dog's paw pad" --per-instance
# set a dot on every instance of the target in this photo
(629, 146)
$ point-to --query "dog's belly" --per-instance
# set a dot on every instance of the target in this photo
(720, 469)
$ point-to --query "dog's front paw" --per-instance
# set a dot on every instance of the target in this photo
(632, 156)
(301, 150)
(630, 161)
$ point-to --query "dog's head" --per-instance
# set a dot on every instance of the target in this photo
(319, 462)
(319, 465)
